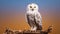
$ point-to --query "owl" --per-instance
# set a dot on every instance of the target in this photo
(33, 17)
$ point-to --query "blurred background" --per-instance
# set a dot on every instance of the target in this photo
(12, 14)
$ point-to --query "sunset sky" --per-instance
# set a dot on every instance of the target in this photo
(12, 14)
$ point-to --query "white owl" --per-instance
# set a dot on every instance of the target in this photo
(34, 17)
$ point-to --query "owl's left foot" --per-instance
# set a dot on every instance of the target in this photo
(33, 29)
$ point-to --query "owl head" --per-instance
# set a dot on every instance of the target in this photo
(32, 7)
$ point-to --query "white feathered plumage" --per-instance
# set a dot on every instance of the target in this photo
(34, 17)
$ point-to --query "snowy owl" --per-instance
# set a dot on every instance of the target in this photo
(33, 17)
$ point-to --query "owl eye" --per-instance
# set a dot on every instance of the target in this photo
(35, 7)
(30, 6)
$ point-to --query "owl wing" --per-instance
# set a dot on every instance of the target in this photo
(27, 18)
(38, 18)
(38, 21)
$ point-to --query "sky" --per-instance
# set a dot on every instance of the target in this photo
(12, 14)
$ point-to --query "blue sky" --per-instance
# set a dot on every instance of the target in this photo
(21, 4)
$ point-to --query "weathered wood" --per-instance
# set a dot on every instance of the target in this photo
(27, 32)
(8, 31)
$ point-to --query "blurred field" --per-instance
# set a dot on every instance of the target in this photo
(18, 22)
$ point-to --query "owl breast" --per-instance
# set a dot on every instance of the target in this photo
(31, 17)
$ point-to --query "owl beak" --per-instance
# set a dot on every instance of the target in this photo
(32, 9)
